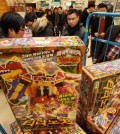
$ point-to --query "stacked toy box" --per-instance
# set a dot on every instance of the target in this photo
(99, 100)
(41, 80)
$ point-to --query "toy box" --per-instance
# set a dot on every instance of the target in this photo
(15, 129)
(99, 99)
(115, 126)
(41, 80)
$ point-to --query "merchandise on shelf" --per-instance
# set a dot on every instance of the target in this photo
(41, 80)
(15, 129)
(115, 126)
(99, 99)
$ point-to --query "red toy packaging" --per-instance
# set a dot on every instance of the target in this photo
(41, 80)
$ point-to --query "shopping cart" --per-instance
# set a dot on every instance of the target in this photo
(2, 131)
(97, 39)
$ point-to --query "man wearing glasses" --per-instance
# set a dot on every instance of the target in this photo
(12, 25)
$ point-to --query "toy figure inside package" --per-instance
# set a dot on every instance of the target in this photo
(99, 100)
(41, 80)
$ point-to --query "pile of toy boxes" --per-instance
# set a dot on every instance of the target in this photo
(41, 81)
(99, 101)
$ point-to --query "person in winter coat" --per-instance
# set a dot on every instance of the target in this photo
(74, 27)
(86, 12)
(49, 16)
(40, 27)
(12, 25)
(112, 52)
(99, 26)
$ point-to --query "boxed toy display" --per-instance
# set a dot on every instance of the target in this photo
(99, 100)
(41, 80)
(15, 129)
(115, 126)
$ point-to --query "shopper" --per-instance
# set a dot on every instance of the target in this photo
(40, 26)
(49, 16)
(112, 51)
(86, 12)
(12, 25)
(102, 22)
(59, 21)
(74, 27)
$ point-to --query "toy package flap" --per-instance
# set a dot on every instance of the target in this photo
(99, 71)
(27, 45)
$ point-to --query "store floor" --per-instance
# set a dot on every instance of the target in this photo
(6, 115)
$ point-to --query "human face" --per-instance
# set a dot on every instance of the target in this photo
(92, 9)
(59, 10)
(19, 34)
(29, 24)
(102, 10)
(49, 13)
(72, 20)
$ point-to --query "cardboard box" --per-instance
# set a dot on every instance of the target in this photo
(99, 96)
(67, 130)
(41, 80)
(115, 125)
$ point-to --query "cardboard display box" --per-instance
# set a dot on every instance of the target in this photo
(99, 99)
(66, 130)
(115, 126)
(41, 80)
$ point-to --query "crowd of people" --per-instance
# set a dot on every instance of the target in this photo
(56, 22)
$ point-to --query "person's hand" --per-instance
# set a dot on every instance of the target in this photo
(102, 34)
(96, 34)
(94, 61)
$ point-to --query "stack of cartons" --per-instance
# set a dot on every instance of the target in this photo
(99, 100)
(41, 80)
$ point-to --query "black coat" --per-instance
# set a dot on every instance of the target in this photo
(84, 16)
(46, 32)
(95, 24)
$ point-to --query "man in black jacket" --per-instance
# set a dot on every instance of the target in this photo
(74, 26)
(111, 51)
(86, 12)
(98, 28)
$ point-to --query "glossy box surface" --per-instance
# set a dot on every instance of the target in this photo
(99, 96)
(41, 80)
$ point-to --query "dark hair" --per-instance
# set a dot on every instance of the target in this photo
(91, 5)
(102, 5)
(60, 8)
(55, 8)
(11, 20)
(48, 11)
(70, 6)
(30, 16)
(71, 11)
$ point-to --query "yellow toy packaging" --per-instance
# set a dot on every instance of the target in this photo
(99, 100)
(41, 80)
